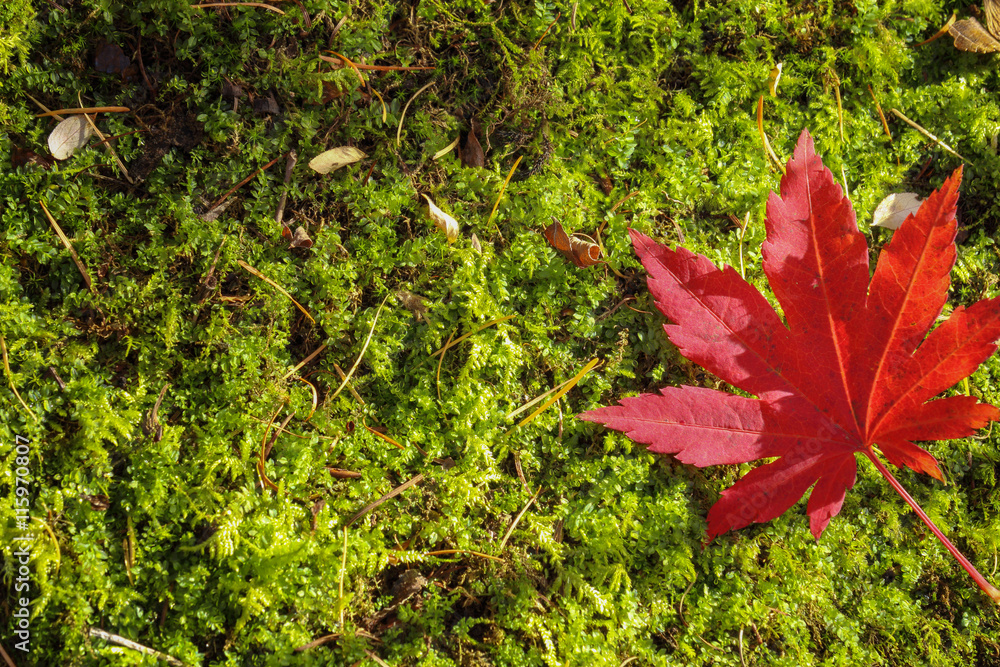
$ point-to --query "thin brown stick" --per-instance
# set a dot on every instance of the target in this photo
(289, 166)
(340, 63)
(83, 110)
(128, 643)
(6, 658)
(108, 147)
(242, 183)
(312, 355)
(392, 494)
(69, 246)
(448, 552)
(558, 14)
(269, 8)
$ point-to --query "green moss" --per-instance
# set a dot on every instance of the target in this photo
(175, 544)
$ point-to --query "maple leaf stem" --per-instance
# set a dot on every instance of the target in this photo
(989, 589)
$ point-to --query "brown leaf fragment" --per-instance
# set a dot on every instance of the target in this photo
(970, 35)
(110, 59)
(340, 473)
(472, 154)
(300, 239)
(581, 253)
(232, 91)
(99, 503)
(264, 106)
(414, 303)
(21, 157)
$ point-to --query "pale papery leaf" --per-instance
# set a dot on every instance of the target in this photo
(894, 209)
(444, 222)
(335, 158)
(69, 135)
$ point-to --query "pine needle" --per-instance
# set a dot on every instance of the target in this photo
(83, 110)
(402, 116)
(10, 378)
(69, 246)
(559, 394)
(927, 134)
(458, 340)
(275, 286)
(361, 355)
(269, 8)
(517, 519)
(503, 188)
(768, 151)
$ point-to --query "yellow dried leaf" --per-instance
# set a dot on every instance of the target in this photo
(335, 158)
(444, 222)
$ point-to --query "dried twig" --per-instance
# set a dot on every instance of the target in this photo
(289, 166)
(128, 643)
(241, 184)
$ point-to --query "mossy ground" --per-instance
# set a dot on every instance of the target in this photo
(174, 544)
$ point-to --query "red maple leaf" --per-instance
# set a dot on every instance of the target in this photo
(853, 369)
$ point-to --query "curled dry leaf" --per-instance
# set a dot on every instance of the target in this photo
(335, 158)
(581, 253)
(895, 208)
(970, 35)
(300, 239)
(69, 135)
(444, 222)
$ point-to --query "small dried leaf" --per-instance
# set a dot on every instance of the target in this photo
(335, 158)
(20, 157)
(300, 239)
(444, 222)
(69, 135)
(472, 154)
(895, 208)
(110, 59)
(970, 35)
(266, 105)
(581, 253)
(475, 244)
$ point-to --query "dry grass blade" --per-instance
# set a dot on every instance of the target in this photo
(392, 494)
(472, 333)
(364, 348)
(343, 567)
(379, 661)
(558, 14)
(559, 394)
(437, 376)
(536, 399)
(402, 116)
(503, 189)
(262, 5)
(768, 151)
(242, 183)
(275, 286)
(83, 110)
(447, 149)
(878, 107)
(927, 134)
(517, 519)
(108, 148)
(940, 33)
(69, 246)
(10, 378)
(448, 552)
(312, 355)
(372, 68)
(623, 200)
(315, 395)
(343, 377)
(128, 643)
(382, 436)
(263, 453)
